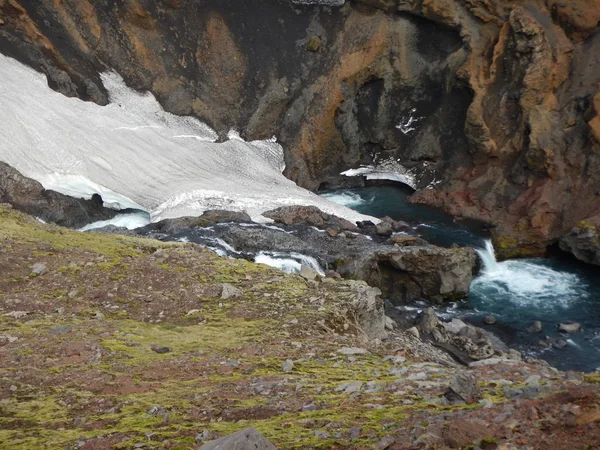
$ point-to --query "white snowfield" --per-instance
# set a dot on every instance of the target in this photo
(135, 154)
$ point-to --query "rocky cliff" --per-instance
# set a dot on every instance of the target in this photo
(497, 101)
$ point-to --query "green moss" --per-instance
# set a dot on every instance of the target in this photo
(133, 342)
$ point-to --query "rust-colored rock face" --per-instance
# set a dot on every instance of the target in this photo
(506, 94)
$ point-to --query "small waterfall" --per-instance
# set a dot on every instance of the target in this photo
(488, 257)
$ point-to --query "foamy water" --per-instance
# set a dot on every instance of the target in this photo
(524, 283)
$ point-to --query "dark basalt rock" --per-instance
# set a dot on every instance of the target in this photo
(29, 196)
(180, 224)
(291, 215)
(416, 270)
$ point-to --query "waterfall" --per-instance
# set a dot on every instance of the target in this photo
(488, 257)
(524, 282)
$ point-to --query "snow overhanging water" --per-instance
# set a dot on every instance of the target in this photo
(137, 155)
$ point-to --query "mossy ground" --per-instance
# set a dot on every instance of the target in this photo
(77, 369)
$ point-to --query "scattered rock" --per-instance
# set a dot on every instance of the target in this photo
(390, 324)
(427, 320)
(38, 269)
(454, 326)
(1, 22)
(159, 411)
(353, 351)
(569, 327)
(384, 229)
(489, 320)
(308, 272)
(161, 350)
(413, 331)
(16, 314)
(229, 291)
(349, 387)
(385, 442)
(60, 330)
(248, 439)
(310, 407)
(6, 339)
(333, 232)
(322, 434)
(535, 327)
(463, 389)
(287, 366)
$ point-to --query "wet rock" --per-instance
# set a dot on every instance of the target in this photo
(489, 320)
(569, 327)
(463, 389)
(535, 327)
(160, 349)
(39, 269)
(248, 439)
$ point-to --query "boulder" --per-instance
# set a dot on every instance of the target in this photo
(359, 307)
(489, 320)
(292, 215)
(535, 327)
(308, 272)
(248, 439)
(463, 388)
(569, 327)
(427, 321)
(384, 229)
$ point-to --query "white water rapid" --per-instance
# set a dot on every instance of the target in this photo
(137, 155)
(525, 283)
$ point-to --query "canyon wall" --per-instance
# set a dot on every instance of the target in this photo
(494, 105)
